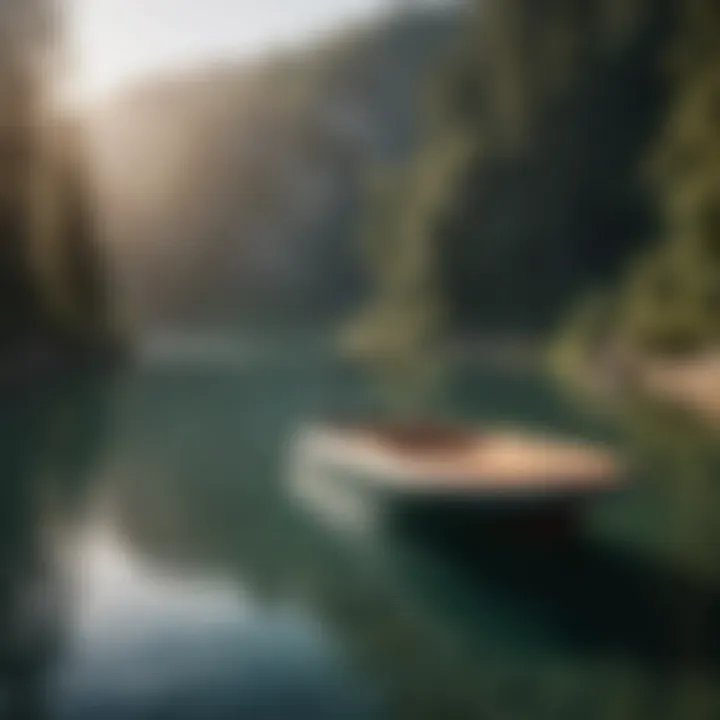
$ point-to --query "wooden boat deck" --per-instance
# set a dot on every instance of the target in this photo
(494, 461)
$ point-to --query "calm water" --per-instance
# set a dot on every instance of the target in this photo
(157, 562)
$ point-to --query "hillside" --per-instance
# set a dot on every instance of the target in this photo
(529, 191)
(231, 194)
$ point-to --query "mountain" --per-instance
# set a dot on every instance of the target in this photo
(230, 194)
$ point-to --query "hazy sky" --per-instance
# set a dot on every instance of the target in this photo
(118, 40)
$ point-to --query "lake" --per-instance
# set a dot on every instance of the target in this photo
(157, 561)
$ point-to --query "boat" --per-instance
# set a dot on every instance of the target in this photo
(493, 478)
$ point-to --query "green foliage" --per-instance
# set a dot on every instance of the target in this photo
(584, 332)
(672, 297)
(524, 192)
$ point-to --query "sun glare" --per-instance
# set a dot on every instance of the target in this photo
(118, 41)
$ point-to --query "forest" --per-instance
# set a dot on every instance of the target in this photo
(502, 168)
(569, 177)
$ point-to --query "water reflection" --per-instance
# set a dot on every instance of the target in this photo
(155, 564)
(171, 567)
(49, 440)
(621, 620)
(147, 641)
(445, 622)
(110, 612)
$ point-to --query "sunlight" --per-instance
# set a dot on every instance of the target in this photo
(119, 41)
(121, 595)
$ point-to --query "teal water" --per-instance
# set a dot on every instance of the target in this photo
(156, 563)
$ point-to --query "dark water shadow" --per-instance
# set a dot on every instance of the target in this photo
(50, 439)
(594, 599)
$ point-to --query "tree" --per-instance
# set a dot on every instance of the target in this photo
(51, 285)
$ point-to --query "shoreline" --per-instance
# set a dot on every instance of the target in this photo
(690, 382)
(40, 361)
